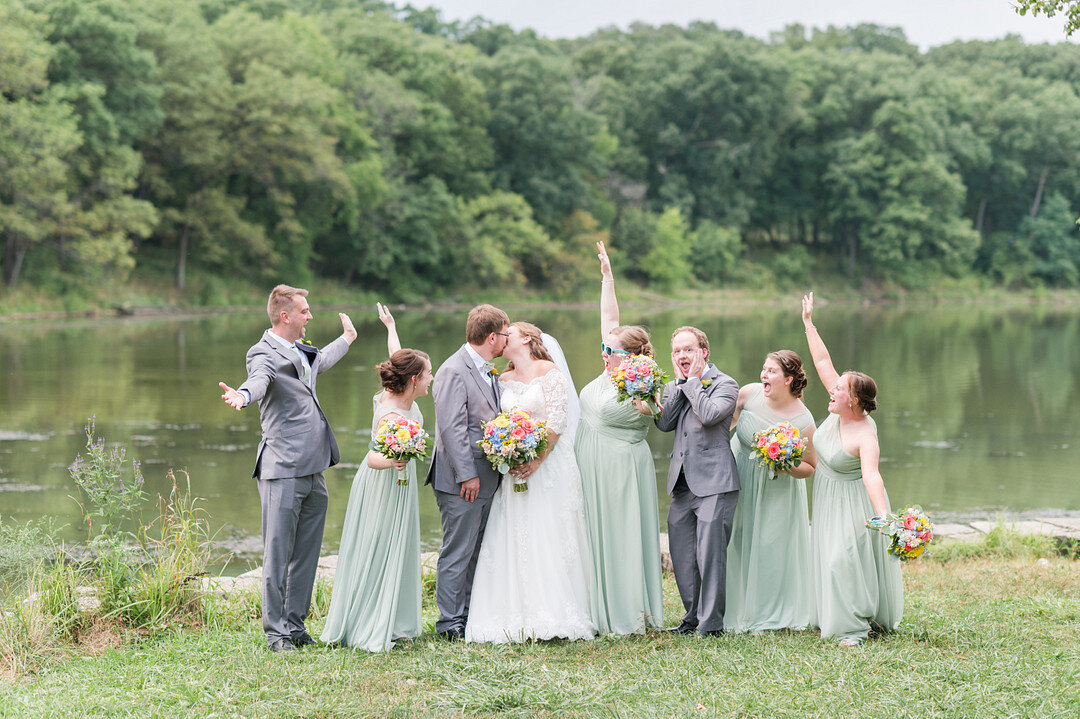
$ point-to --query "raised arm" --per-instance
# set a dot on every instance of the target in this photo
(609, 305)
(393, 344)
(822, 361)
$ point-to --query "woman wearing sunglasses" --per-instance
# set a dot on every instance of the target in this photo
(619, 482)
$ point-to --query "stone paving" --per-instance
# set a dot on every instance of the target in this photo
(1065, 527)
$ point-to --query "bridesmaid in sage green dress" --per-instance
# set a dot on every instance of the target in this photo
(376, 597)
(769, 585)
(619, 484)
(857, 582)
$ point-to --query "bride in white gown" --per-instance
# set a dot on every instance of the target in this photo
(533, 576)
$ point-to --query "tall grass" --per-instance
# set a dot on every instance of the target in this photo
(166, 587)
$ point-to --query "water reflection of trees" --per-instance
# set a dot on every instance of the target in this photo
(976, 402)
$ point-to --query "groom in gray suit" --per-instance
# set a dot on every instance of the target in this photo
(702, 479)
(297, 445)
(466, 393)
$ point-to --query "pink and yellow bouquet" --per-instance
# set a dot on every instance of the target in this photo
(401, 438)
(910, 531)
(639, 377)
(780, 448)
(512, 439)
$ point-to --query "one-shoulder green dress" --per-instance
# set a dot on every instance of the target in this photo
(622, 517)
(376, 597)
(857, 582)
(769, 585)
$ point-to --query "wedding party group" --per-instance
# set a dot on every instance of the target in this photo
(548, 498)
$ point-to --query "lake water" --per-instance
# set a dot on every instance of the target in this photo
(977, 407)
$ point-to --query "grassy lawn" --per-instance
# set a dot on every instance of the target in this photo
(980, 637)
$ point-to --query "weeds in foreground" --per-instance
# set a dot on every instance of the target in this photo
(140, 582)
(1004, 542)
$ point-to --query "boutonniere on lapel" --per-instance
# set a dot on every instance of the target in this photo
(493, 372)
(706, 382)
(305, 341)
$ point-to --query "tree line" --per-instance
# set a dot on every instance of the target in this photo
(386, 148)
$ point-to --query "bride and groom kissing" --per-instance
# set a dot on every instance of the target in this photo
(512, 566)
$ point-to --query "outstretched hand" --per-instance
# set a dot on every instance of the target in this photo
(808, 309)
(348, 331)
(385, 316)
(233, 398)
(605, 262)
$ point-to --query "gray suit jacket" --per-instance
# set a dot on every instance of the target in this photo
(296, 438)
(463, 402)
(701, 419)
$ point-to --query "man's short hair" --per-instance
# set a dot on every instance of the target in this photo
(282, 299)
(483, 320)
(702, 340)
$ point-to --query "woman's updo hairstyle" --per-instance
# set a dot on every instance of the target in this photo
(791, 365)
(396, 372)
(634, 339)
(537, 350)
(863, 389)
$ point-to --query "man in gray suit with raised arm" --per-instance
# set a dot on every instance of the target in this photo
(466, 393)
(702, 479)
(297, 445)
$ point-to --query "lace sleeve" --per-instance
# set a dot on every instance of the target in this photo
(556, 398)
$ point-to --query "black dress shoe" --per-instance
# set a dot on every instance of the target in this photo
(303, 639)
(282, 645)
(713, 633)
(453, 635)
(683, 628)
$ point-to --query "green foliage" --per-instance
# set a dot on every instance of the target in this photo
(1000, 544)
(108, 494)
(165, 588)
(1053, 242)
(24, 546)
(1069, 8)
(506, 245)
(302, 140)
(58, 595)
(714, 252)
(668, 261)
(633, 235)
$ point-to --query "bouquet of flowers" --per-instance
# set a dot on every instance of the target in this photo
(401, 438)
(639, 377)
(513, 439)
(909, 530)
(780, 448)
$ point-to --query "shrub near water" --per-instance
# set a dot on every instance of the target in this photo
(133, 581)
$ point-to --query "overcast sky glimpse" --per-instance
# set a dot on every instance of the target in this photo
(926, 22)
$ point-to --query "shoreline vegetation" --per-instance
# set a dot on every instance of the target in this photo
(162, 301)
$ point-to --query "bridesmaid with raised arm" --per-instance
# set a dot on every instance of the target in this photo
(376, 598)
(619, 482)
(857, 582)
(769, 585)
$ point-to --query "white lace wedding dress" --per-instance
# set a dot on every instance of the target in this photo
(533, 576)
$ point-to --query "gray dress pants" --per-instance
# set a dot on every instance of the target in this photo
(293, 516)
(698, 532)
(463, 526)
